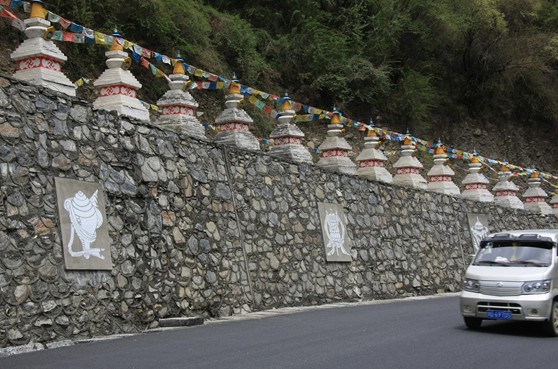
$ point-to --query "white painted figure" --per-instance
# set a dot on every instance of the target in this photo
(85, 218)
(478, 231)
(335, 232)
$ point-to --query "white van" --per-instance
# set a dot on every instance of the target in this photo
(513, 276)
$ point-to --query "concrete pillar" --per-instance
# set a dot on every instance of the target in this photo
(408, 167)
(334, 151)
(440, 176)
(118, 86)
(39, 60)
(475, 184)
(371, 160)
(234, 124)
(178, 107)
(288, 137)
(506, 191)
(535, 197)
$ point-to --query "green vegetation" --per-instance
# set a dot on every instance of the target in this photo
(410, 61)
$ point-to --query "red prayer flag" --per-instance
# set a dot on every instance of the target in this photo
(65, 23)
(144, 62)
(68, 36)
(6, 14)
(146, 53)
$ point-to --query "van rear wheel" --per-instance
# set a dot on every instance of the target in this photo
(551, 325)
(472, 323)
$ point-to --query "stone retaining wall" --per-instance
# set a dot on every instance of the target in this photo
(201, 229)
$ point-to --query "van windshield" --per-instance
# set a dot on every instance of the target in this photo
(514, 254)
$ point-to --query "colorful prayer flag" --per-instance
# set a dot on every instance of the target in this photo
(144, 62)
(76, 28)
(68, 37)
(53, 18)
(99, 38)
(7, 14)
(127, 45)
(64, 22)
(58, 36)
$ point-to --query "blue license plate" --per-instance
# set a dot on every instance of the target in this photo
(498, 314)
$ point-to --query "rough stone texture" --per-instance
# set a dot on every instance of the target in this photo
(198, 230)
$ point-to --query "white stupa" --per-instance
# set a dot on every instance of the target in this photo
(334, 151)
(554, 204)
(475, 184)
(371, 160)
(178, 107)
(535, 197)
(408, 167)
(234, 124)
(39, 60)
(440, 176)
(118, 86)
(288, 137)
(506, 191)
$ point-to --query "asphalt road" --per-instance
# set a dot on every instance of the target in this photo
(415, 333)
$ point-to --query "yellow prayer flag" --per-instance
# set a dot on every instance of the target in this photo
(220, 85)
(127, 44)
(160, 73)
(99, 38)
(198, 72)
(79, 82)
(253, 99)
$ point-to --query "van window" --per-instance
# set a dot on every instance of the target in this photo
(514, 254)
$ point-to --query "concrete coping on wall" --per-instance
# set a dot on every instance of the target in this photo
(181, 322)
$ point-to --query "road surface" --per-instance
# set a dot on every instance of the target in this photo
(410, 333)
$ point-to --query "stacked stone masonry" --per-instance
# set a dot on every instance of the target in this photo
(199, 228)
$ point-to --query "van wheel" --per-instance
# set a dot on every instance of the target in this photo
(551, 324)
(472, 323)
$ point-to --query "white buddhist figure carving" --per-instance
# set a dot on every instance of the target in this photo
(85, 218)
(335, 232)
(478, 231)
